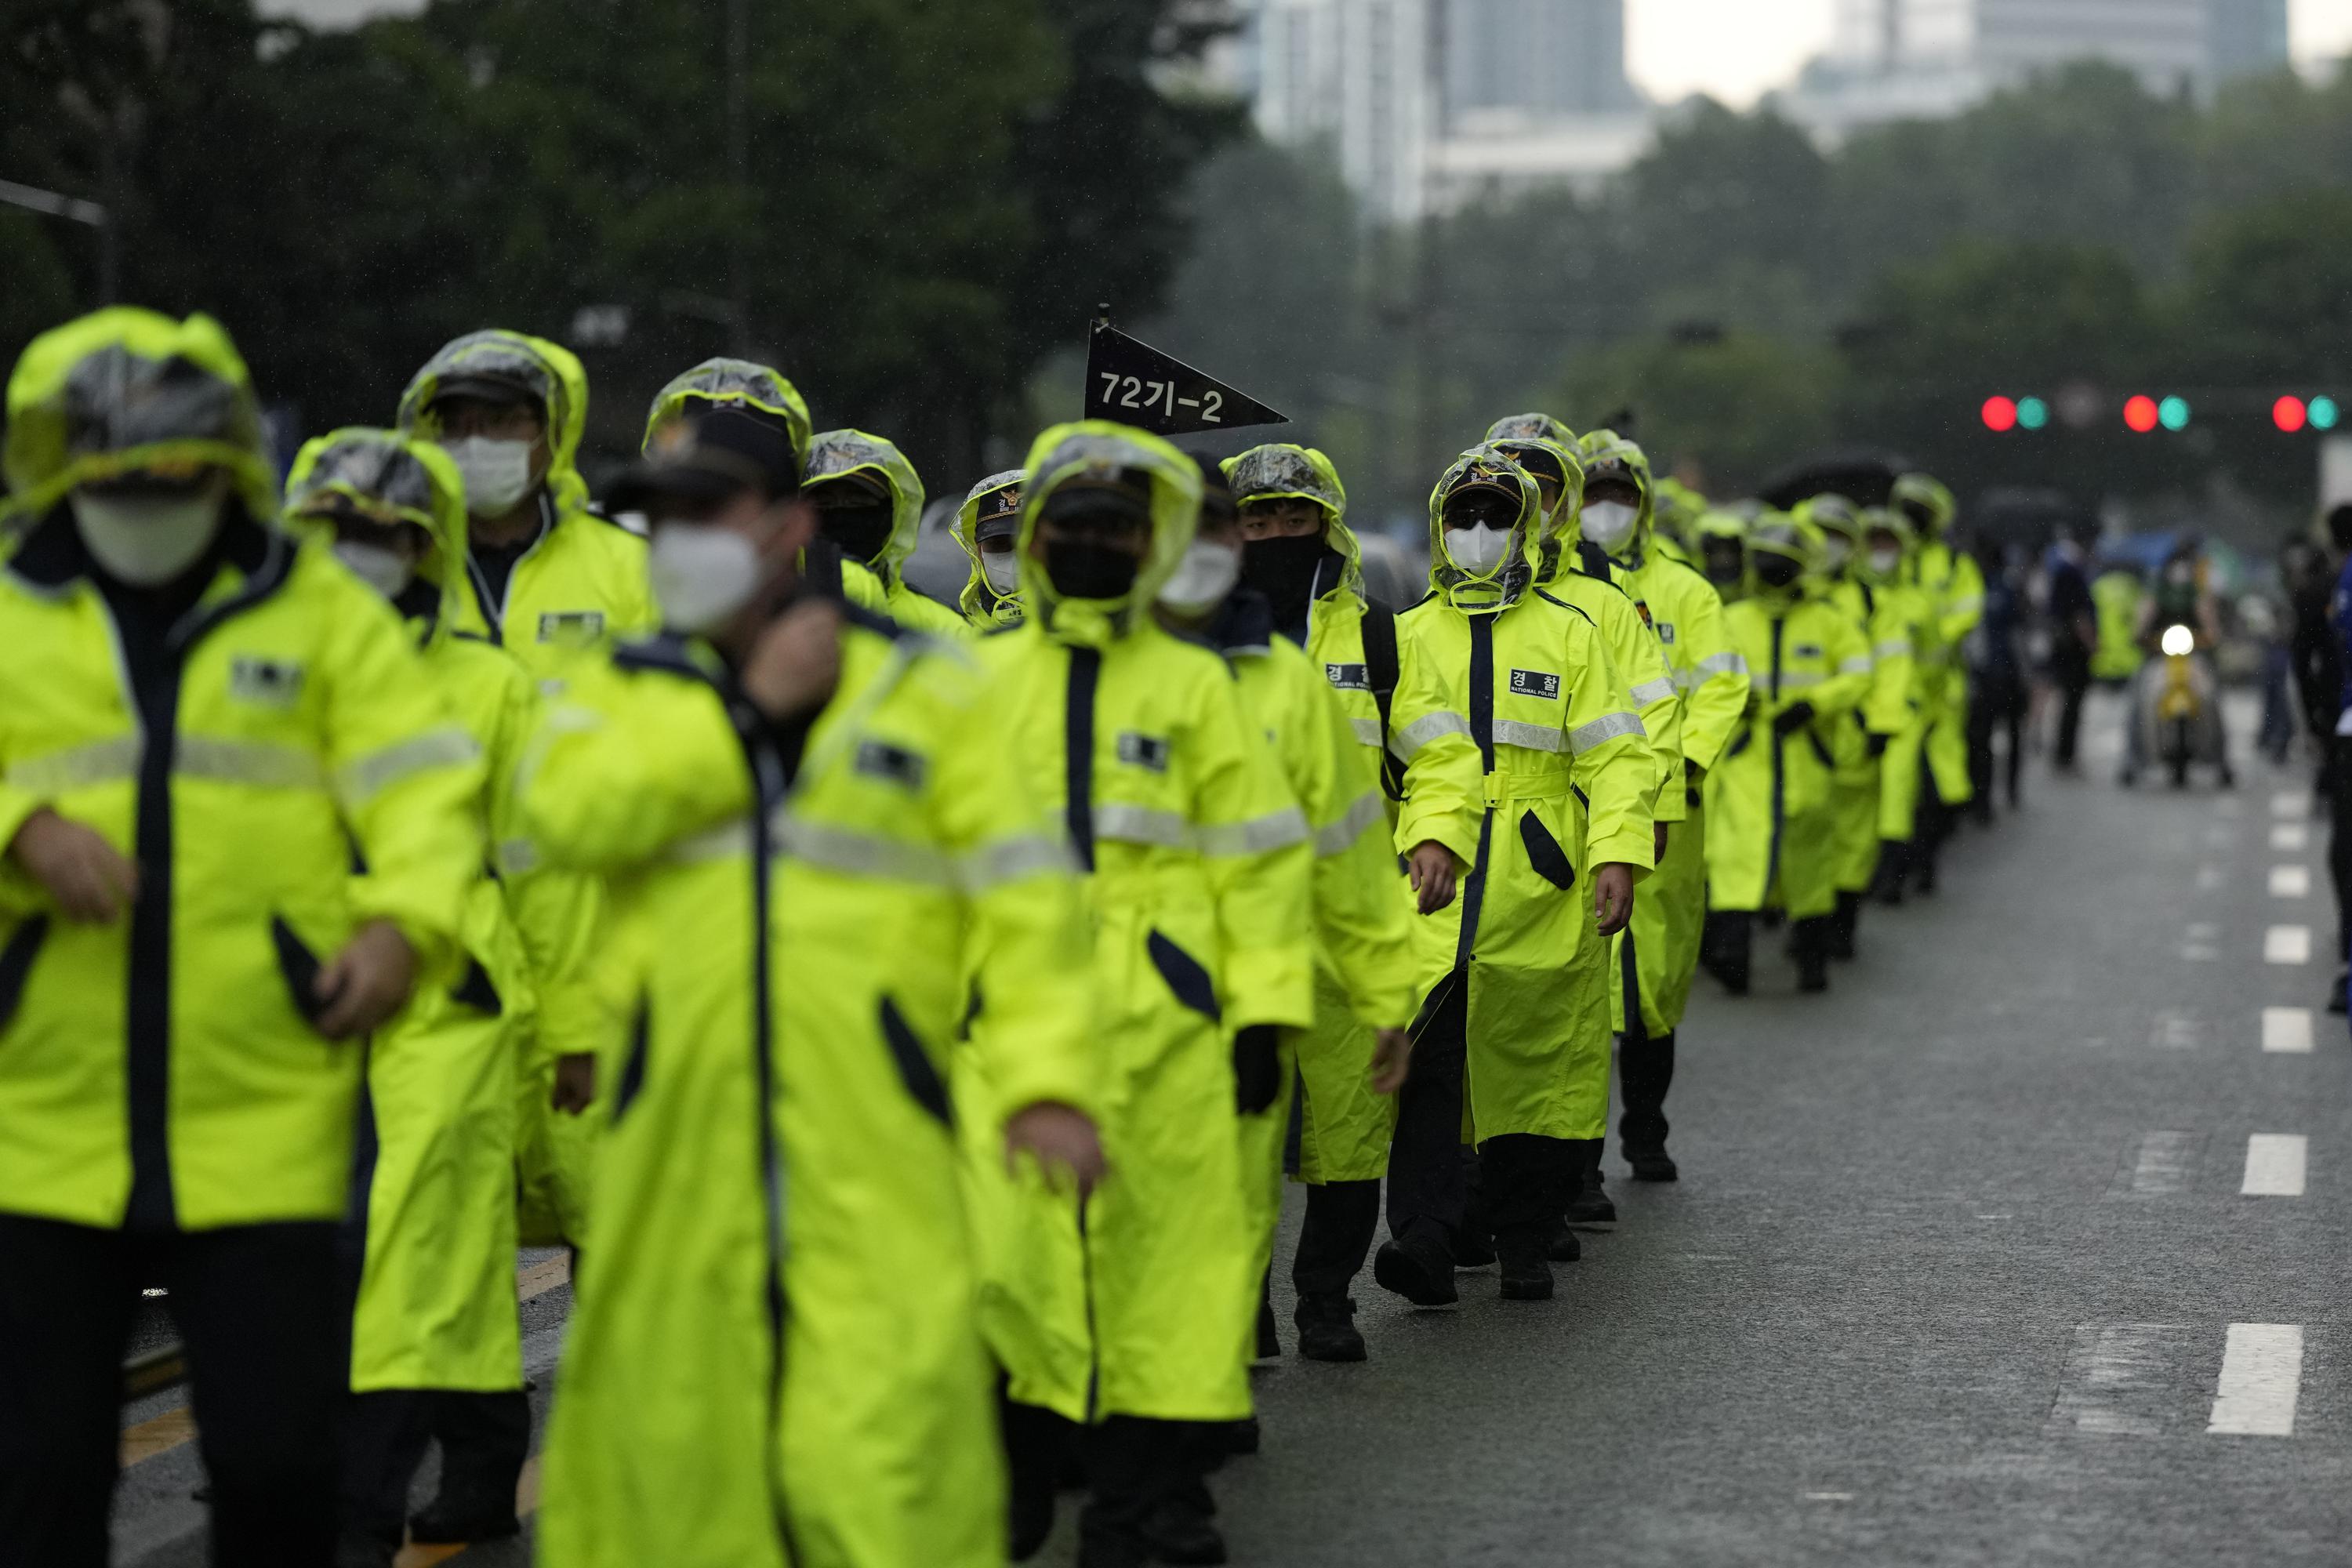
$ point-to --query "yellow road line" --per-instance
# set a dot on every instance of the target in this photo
(174, 1427)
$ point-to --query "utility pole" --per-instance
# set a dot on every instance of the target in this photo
(738, 170)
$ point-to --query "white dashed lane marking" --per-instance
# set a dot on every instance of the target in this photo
(2275, 1165)
(2292, 804)
(2261, 1378)
(2286, 944)
(2290, 881)
(2287, 1030)
(2293, 837)
(2163, 1163)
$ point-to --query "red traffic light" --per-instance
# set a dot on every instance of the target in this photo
(2000, 412)
(2289, 414)
(2140, 412)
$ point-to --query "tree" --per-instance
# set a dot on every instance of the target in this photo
(1724, 412)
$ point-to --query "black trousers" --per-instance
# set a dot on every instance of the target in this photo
(2070, 670)
(1645, 1070)
(2339, 836)
(268, 1349)
(1336, 1237)
(1997, 704)
(485, 1440)
(1426, 1184)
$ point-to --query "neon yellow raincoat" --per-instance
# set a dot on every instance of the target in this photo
(1955, 590)
(1859, 742)
(1907, 640)
(837, 454)
(162, 1071)
(436, 1298)
(1768, 800)
(1344, 1127)
(582, 581)
(1524, 755)
(2117, 593)
(778, 1359)
(1140, 1300)
(1657, 954)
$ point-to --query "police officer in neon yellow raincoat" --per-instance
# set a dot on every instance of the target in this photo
(987, 527)
(869, 504)
(1131, 1310)
(1884, 567)
(1954, 588)
(763, 392)
(1364, 995)
(1302, 559)
(813, 843)
(201, 722)
(436, 1307)
(1657, 953)
(1769, 801)
(1521, 746)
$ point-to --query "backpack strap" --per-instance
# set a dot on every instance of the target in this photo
(1380, 673)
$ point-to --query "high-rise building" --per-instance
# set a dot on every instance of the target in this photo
(1536, 57)
(1354, 74)
(1905, 58)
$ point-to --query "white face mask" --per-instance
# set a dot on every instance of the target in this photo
(387, 571)
(1477, 549)
(1836, 550)
(701, 575)
(1003, 570)
(497, 473)
(1609, 524)
(147, 540)
(1202, 579)
(1885, 563)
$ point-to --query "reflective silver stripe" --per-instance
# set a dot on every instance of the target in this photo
(1274, 830)
(1425, 730)
(1607, 727)
(1534, 737)
(1858, 665)
(1337, 838)
(370, 776)
(1893, 648)
(1793, 678)
(728, 838)
(517, 856)
(1142, 825)
(1367, 731)
(856, 854)
(1657, 691)
(1729, 662)
(1012, 859)
(77, 767)
(264, 763)
(1962, 606)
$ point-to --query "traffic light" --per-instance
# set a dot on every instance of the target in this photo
(2173, 413)
(2000, 413)
(2140, 412)
(2033, 413)
(2322, 413)
(2292, 414)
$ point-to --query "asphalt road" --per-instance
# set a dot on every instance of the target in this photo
(1963, 1269)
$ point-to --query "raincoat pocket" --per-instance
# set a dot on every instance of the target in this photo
(300, 965)
(1185, 977)
(16, 957)
(477, 990)
(1544, 853)
(915, 1066)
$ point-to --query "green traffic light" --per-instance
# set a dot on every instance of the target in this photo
(2033, 413)
(2173, 413)
(2324, 413)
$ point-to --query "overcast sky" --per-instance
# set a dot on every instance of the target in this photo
(1737, 49)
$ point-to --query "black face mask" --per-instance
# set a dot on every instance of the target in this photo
(1777, 571)
(1283, 569)
(1723, 567)
(1081, 569)
(863, 532)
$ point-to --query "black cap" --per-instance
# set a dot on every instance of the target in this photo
(1123, 496)
(489, 386)
(708, 456)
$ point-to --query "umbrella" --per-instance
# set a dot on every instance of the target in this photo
(1862, 475)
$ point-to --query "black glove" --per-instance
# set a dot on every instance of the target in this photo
(1257, 1069)
(1792, 719)
(1878, 743)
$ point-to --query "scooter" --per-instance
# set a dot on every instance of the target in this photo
(2177, 714)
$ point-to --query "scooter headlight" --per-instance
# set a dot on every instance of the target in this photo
(2179, 642)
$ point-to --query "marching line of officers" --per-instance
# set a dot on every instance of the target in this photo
(908, 1030)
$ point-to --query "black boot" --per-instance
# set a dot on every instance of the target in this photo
(1646, 1069)
(485, 1439)
(1727, 947)
(1417, 1265)
(1180, 1529)
(1326, 1329)
(1037, 1445)
(1526, 1273)
(1588, 1200)
(1894, 862)
(1808, 944)
(1560, 1245)
(1140, 1469)
(1845, 925)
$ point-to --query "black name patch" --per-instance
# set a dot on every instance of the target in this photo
(571, 625)
(1143, 751)
(1350, 677)
(881, 760)
(1535, 683)
(271, 682)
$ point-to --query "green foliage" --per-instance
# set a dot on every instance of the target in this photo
(1725, 412)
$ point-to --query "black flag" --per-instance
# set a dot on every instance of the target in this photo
(1135, 384)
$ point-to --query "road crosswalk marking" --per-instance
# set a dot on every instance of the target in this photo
(2275, 1164)
(2287, 1030)
(2286, 944)
(2261, 1378)
(2290, 881)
